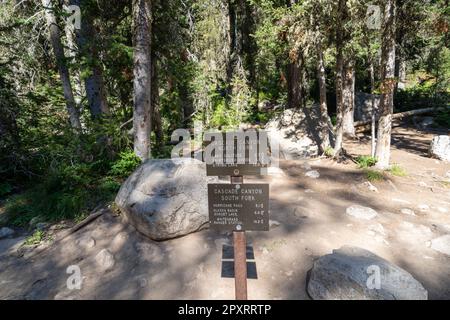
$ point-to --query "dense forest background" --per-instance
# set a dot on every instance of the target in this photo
(82, 107)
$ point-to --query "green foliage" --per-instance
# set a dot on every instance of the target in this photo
(5, 188)
(221, 117)
(108, 185)
(34, 239)
(397, 170)
(164, 152)
(125, 165)
(328, 152)
(443, 118)
(420, 96)
(333, 120)
(374, 175)
(366, 161)
(69, 191)
(260, 117)
(206, 69)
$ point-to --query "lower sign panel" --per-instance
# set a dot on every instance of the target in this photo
(239, 207)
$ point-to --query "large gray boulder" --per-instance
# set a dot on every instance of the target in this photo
(164, 199)
(349, 274)
(363, 105)
(440, 148)
(295, 131)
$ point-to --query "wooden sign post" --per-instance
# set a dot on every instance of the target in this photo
(238, 207)
(240, 256)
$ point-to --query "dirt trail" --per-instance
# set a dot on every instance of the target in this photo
(309, 220)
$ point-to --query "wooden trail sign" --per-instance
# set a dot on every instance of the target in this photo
(239, 207)
(236, 153)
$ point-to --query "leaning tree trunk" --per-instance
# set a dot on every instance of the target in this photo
(58, 50)
(339, 80)
(142, 77)
(387, 86)
(348, 97)
(327, 126)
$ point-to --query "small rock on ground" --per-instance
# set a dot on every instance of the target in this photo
(441, 244)
(6, 232)
(442, 210)
(370, 186)
(105, 260)
(86, 242)
(423, 207)
(361, 212)
(313, 174)
(408, 211)
(273, 223)
(377, 228)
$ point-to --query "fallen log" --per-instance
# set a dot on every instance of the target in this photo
(363, 126)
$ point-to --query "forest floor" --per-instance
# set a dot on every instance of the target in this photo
(309, 220)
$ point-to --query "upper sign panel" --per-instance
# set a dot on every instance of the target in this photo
(236, 153)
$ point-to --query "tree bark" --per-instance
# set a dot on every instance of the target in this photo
(348, 97)
(58, 50)
(94, 83)
(142, 77)
(363, 126)
(295, 75)
(327, 126)
(373, 120)
(295, 82)
(401, 73)
(155, 112)
(71, 52)
(387, 86)
(249, 45)
(339, 79)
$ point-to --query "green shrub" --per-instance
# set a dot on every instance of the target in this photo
(18, 210)
(443, 118)
(398, 171)
(418, 96)
(373, 175)
(366, 161)
(66, 193)
(127, 163)
(109, 185)
(164, 152)
(261, 117)
(328, 152)
(36, 238)
(5, 188)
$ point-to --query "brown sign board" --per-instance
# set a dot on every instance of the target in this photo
(231, 164)
(242, 207)
(235, 170)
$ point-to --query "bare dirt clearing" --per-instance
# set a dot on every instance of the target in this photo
(310, 219)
